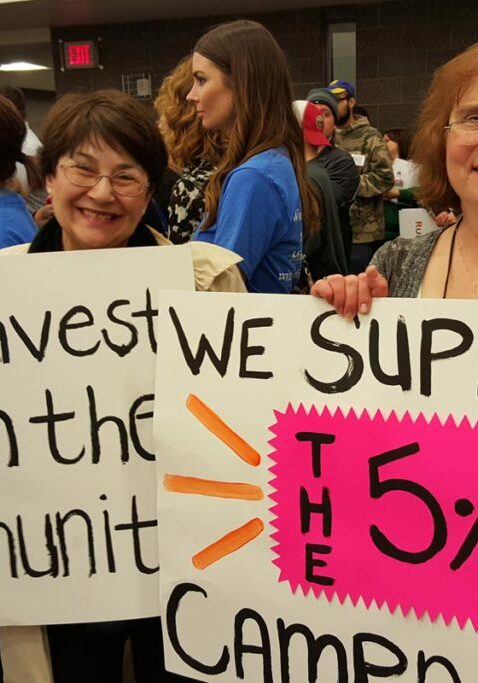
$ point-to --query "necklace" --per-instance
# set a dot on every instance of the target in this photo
(469, 274)
(450, 258)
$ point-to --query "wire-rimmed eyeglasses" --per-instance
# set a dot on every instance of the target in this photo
(123, 182)
(465, 129)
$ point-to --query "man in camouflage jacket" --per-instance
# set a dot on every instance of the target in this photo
(367, 147)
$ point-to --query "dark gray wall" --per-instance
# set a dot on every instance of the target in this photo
(399, 46)
(156, 47)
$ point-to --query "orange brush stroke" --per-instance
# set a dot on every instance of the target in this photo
(228, 543)
(208, 487)
(219, 428)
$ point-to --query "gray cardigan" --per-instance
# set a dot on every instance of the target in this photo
(403, 263)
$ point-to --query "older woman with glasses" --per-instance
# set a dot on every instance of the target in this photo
(102, 158)
(444, 263)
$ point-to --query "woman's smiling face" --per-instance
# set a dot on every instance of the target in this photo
(97, 217)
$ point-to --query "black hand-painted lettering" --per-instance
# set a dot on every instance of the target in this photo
(403, 378)
(316, 439)
(172, 608)
(120, 349)
(60, 521)
(133, 429)
(110, 555)
(364, 669)
(379, 488)
(311, 550)
(195, 361)
(50, 419)
(95, 425)
(135, 526)
(263, 650)
(355, 365)
(51, 549)
(4, 349)
(66, 324)
(424, 664)
(315, 647)
(12, 554)
(466, 549)
(12, 439)
(150, 314)
(37, 352)
(307, 509)
(247, 351)
(427, 356)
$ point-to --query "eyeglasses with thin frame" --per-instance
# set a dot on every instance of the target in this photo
(123, 182)
(465, 129)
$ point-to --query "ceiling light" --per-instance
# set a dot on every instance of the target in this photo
(22, 66)
(4, 2)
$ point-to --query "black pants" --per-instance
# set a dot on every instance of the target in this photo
(93, 653)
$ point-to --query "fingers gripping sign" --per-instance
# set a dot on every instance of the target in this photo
(351, 294)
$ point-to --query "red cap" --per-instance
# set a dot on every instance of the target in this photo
(310, 116)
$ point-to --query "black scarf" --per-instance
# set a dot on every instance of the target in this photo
(49, 238)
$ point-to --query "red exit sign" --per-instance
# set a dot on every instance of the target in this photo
(80, 55)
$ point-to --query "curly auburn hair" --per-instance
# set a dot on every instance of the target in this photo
(185, 139)
(428, 148)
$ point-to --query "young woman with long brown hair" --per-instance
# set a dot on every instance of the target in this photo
(258, 200)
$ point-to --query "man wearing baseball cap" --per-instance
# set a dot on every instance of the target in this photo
(339, 165)
(328, 252)
(369, 152)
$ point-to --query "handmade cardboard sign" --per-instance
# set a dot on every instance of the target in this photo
(318, 489)
(78, 343)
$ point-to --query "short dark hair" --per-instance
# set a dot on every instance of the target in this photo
(12, 132)
(109, 115)
(16, 96)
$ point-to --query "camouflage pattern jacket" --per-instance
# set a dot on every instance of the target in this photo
(368, 149)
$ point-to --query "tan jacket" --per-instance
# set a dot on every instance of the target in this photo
(24, 649)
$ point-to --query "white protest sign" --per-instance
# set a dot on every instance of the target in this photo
(318, 501)
(77, 492)
(415, 222)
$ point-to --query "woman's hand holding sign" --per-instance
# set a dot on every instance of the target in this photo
(351, 294)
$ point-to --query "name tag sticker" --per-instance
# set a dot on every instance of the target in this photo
(359, 159)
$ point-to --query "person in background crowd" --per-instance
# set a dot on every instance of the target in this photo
(367, 147)
(340, 166)
(16, 224)
(192, 151)
(405, 172)
(102, 157)
(258, 198)
(34, 194)
(325, 252)
(361, 111)
(444, 263)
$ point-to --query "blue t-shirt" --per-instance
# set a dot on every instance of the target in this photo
(260, 218)
(16, 224)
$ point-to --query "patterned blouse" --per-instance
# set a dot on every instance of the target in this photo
(186, 203)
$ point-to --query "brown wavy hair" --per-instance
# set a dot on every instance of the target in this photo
(185, 139)
(12, 134)
(258, 73)
(429, 144)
